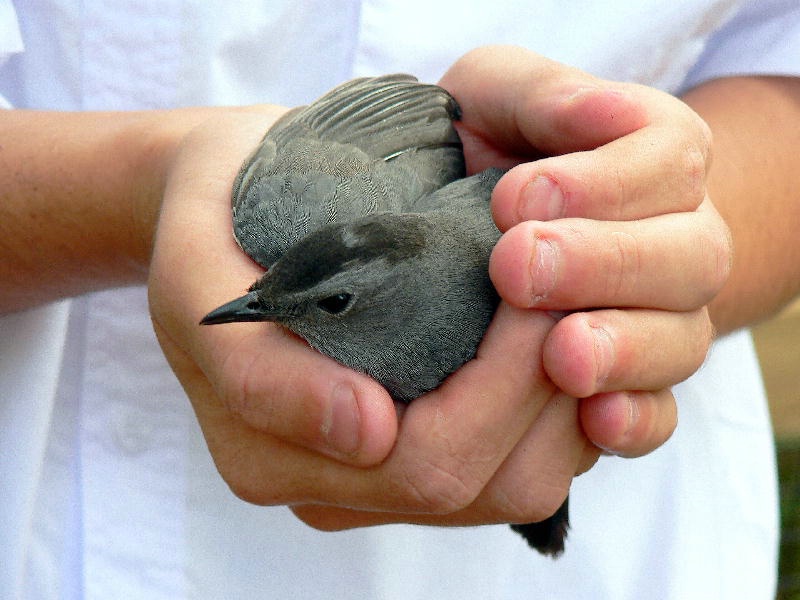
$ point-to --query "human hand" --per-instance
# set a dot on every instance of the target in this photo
(605, 206)
(286, 425)
(271, 435)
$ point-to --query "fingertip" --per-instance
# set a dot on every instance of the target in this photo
(528, 192)
(505, 199)
(629, 424)
(575, 356)
(509, 265)
(607, 418)
(589, 457)
(594, 115)
(377, 420)
(526, 266)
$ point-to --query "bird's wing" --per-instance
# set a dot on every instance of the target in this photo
(371, 144)
(383, 116)
(471, 194)
(464, 206)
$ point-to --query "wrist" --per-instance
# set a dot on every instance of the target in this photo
(157, 136)
(82, 191)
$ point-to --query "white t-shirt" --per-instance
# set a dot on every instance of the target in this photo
(107, 488)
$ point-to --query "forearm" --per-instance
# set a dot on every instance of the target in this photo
(755, 184)
(80, 194)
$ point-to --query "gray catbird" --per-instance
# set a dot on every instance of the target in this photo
(376, 245)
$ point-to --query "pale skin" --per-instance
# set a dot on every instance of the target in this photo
(288, 426)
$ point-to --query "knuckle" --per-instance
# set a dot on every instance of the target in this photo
(316, 518)
(604, 191)
(706, 137)
(724, 256)
(695, 168)
(698, 157)
(719, 257)
(625, 264)
(710, 332)
(245, 490)
(235, 471)
(620, 196)
(276, 405)
(693, 122)
(703, 339)
(239, 380)
(530, 503)
(439, 489)
(247, 400)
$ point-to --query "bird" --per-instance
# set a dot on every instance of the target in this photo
(375, 243)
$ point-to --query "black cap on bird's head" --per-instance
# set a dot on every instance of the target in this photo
(396, 296)
(302, 274)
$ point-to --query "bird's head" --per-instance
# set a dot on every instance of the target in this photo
(343, 287)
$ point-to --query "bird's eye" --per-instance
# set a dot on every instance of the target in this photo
(335, 304)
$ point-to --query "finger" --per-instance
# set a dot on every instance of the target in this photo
(530, 485)
(273, 381)
(673, 262)
(279, 385)
(526, 105)
(612, 350)
(534, 481)
(454, 439)
(655, 170)
(629, 424)
(589, 458)
(259, 467)
(651, 151)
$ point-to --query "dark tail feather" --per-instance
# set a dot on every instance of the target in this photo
(547, 536)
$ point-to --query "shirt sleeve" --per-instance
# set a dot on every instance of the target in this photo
(10, 38)
(763, 38)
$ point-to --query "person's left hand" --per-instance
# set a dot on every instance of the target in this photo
(614, 215)
(617, 218)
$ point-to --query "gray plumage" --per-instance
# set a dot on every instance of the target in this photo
(370, 145)
(376, 246)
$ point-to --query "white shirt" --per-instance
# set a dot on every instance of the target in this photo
(107, 488)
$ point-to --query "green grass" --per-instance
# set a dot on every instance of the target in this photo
(789, 474)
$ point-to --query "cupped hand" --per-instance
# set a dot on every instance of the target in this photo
(606, 220)
(259, 374)
(497, 442)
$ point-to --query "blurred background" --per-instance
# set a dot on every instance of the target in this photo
(778, 345)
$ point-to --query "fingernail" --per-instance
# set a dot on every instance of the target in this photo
(557, 315)
(583, 91)
(625, 407)
(603, 354)
(633, 415)
(541, 200)
(543, 268)
(341, 425)
(600, 96)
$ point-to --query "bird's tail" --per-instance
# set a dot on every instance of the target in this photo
(547, 537)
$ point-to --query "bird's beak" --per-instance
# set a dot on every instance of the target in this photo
(247, 308)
